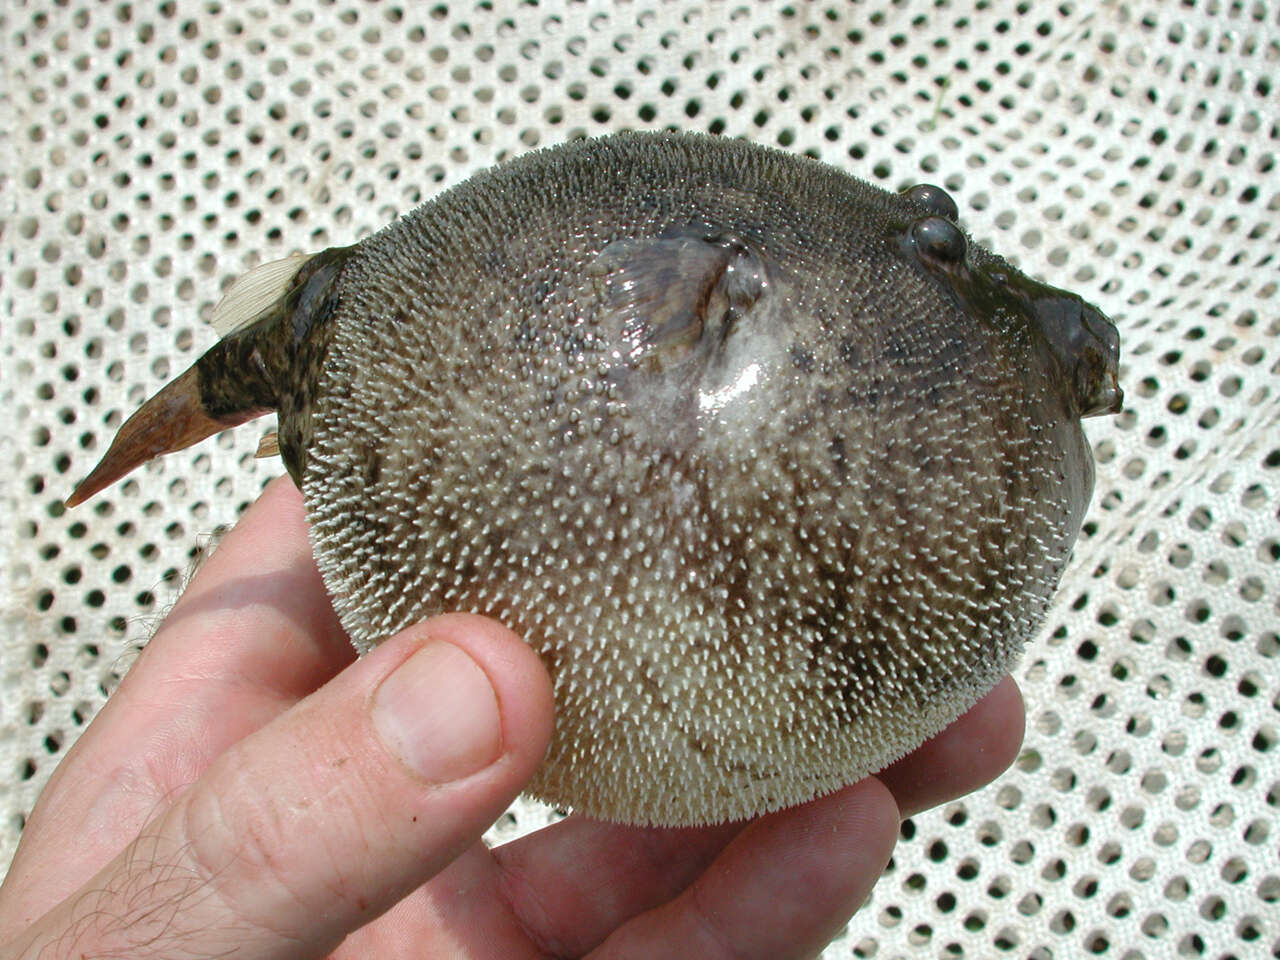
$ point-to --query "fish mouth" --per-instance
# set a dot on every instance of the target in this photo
(1097, 362)
(1087, 347)
(1106, 400)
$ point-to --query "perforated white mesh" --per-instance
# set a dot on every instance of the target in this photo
(1125, 151)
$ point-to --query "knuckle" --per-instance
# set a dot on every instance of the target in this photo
(261, 851)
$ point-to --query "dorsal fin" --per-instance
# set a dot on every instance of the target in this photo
(254, 292)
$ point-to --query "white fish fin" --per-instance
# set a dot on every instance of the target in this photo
(254, 292)
(268, 446)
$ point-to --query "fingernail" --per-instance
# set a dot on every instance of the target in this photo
(439, 714)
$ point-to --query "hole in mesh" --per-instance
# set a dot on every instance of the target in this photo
(1244, 777)
(1255, 834)
(1155, 926)
(1268, 889)
(1063, 922)
(890, 917)
(989, 833)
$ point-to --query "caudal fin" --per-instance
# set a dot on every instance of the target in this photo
(262, 318)
(171, 420)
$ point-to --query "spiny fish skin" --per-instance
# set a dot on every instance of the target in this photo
(776, 470)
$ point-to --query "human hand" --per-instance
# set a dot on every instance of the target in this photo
(253, 790)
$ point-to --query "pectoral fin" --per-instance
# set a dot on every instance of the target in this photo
(667, 294)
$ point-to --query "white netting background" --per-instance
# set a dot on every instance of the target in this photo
(1124, 151)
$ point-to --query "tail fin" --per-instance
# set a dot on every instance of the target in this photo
(263, 316)
(173, 419)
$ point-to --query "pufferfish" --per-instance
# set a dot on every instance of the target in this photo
(777, 471)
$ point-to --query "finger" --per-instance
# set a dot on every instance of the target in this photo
(782, 888)
(256, 618)
(253, 633)
(969, 754)
(327, 817)
(571, 884)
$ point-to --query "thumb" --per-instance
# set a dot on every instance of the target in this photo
(328, 816)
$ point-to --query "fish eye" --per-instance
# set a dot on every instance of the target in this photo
(934, 199)
(939, 239)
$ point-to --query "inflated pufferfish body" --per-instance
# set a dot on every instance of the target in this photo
(776, 470)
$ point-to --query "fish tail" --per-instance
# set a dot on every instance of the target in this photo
(213, 394)
(269, 321)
